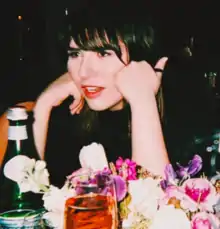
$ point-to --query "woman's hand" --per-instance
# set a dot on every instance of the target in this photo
(138, 80)
(58, 91)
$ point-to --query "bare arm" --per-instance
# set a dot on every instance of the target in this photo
(40, 127)
(53, 96)
(139, 83)
(148, 147)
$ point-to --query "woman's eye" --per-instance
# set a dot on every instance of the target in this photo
(104, 53)
(74, 53)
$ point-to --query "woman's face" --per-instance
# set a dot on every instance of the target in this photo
(94, 73)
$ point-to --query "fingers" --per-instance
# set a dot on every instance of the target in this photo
(76, 106)
(80, 106)
(160, 65)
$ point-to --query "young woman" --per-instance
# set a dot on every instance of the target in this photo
(112, 65)
(115, 79)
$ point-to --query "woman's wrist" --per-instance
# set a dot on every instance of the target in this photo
(42, 110)
(40, 126)
(144, 101)
(147, 136)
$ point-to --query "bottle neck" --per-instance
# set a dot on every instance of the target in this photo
(20, 139)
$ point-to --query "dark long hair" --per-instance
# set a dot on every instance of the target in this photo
(95, 28)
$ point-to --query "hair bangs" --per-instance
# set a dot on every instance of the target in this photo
(96, 38)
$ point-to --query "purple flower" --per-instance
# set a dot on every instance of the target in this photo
(103, 177)
(164, 184)
(126, 169)
(193, 167)
(101, 180)
(170, 173)
(170, 177)
(120, 187)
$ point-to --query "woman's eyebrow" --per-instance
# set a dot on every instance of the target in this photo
(98, 49)
(74, 49)
(94, 49)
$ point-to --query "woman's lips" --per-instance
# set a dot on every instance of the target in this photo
(92, 92)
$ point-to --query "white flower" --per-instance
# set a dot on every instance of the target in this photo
(145, 195)
(132, 219)
(93, 157)
(54, 202)
(127, 223)
(53, 219)
(55, 198)
(170, 217)
(31, 175)
(40, 165)
(15, 168)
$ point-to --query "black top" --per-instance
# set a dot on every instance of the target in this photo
(64, 141)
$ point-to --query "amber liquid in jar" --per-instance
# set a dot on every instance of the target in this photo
(90, 212)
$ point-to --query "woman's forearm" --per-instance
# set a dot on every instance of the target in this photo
(51, 97)
(40, 128)
(148, 147)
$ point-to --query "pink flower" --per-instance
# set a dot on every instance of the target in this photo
(175, 192)
(201, 191)
(197, 189)
(203, 220)
(126, 168)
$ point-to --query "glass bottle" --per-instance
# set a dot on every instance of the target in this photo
(18, 144)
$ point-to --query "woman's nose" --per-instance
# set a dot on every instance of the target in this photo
(87, 67)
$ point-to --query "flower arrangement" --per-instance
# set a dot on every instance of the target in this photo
(175, 201)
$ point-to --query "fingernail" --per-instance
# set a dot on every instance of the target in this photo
(165, 59)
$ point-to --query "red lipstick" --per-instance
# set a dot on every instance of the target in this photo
(92, 92)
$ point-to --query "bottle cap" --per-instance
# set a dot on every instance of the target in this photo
(17, 113)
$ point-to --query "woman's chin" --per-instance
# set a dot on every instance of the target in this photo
(97, 107)
(102, 107)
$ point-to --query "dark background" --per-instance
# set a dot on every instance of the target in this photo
(30, 53)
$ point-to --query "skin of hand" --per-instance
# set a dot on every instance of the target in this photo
(58, 91)
(139, 77)
(139, 83)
